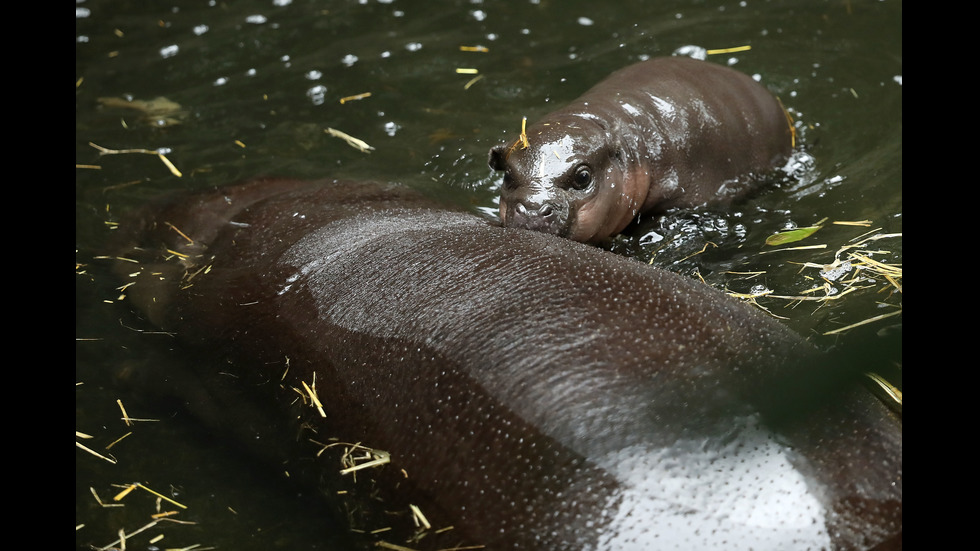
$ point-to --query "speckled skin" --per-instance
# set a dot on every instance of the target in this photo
(668, 132)
(540, 393)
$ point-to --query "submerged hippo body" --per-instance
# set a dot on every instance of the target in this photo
(538, 393)
(668, 132)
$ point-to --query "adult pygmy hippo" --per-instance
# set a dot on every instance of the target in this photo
(668, 132)
(538, 393)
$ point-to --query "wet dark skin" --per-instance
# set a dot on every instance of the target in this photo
(539, 393)
(664, 133)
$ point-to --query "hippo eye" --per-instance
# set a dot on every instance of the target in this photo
(582, 177)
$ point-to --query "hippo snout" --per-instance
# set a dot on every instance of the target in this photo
(545, 211)
(543, 218)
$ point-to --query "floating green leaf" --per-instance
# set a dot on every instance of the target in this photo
(791, 236)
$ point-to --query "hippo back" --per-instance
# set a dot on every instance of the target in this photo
(542, 393)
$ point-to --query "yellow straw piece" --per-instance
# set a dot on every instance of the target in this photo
(729, 50)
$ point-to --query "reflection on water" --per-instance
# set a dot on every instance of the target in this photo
(257, 84)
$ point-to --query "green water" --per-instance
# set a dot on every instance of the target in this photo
(258, 82)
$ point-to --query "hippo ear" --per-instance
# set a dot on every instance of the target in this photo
(498, 157)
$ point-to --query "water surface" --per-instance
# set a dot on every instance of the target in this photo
(250, 86)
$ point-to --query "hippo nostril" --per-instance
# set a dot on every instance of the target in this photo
(543, 212)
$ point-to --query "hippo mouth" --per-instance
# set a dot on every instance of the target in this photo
(548, 218)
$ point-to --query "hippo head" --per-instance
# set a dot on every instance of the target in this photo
(567, 177)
